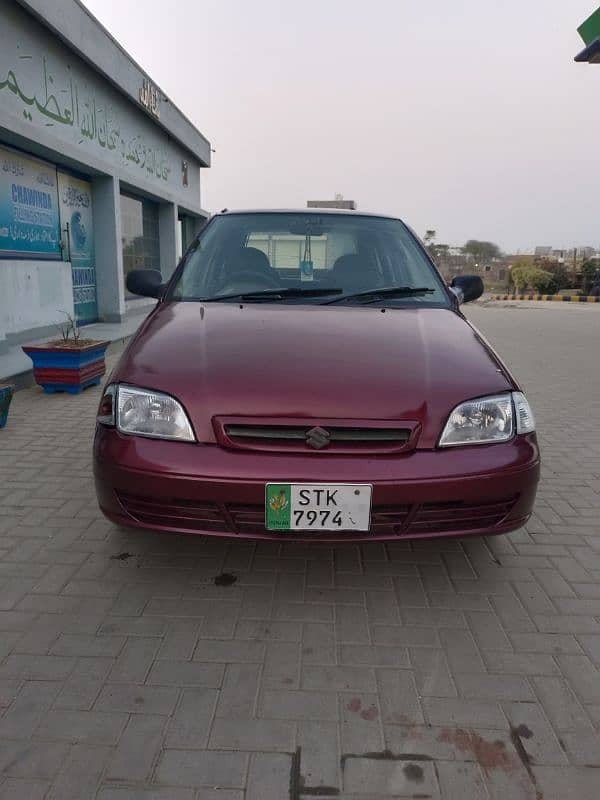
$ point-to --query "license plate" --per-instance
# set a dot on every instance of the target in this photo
(318, 506)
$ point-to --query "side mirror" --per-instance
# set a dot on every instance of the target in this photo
(146, 282)
(467, 287)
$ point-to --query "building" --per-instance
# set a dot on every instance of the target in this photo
(590, 33)
(337, 202)
(571, 257)
(99, 171)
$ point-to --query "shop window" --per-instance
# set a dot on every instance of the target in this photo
(139, 234)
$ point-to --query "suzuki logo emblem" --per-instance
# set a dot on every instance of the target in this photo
(318, 438)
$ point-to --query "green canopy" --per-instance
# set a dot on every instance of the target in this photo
(590, 29)
(590, 33)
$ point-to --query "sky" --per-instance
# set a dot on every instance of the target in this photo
(468, 117)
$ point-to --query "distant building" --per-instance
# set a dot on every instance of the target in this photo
(543, 252)
(337, 202)
(578, 254)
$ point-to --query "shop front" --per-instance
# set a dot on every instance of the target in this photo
(99, 171)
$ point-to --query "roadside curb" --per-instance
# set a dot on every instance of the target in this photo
(565, 298)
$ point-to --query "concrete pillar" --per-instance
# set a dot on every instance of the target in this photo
(3, 315)
(167, 231)
(109, 255)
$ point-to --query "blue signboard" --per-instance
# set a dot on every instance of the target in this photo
(77, 222)
(29, 218)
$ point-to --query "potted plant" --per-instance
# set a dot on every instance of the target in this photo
(69, 364)
(6, 393)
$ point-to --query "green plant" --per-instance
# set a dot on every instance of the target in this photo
(69, 328)
(481, 251)
(590, 270)
(560, 277)
(524, 276)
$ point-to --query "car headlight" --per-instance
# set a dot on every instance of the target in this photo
(524, 414)
(145, 413)
(486, 420)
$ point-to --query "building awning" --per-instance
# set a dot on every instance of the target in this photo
(590, 33)
(591, 54)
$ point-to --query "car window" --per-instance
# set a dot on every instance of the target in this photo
(260, 252)
(286, 250)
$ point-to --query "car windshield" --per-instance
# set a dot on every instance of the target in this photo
(315, 258)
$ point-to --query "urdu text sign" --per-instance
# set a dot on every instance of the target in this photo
(29, 216)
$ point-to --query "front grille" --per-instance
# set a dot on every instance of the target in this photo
(390, 520)
(284, 432)
(247, 519)
(317, 436)
(175, 513)
(459, 516)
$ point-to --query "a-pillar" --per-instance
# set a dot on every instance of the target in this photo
(110, 286)
(189, 228)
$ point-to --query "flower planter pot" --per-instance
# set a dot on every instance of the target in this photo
(71, 368)
(6, 393)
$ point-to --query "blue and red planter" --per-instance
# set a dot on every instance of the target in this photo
(6, 393)
(68, 368)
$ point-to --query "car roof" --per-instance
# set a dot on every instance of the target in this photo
(305, 211)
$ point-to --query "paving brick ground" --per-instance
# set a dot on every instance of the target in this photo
(456, 670)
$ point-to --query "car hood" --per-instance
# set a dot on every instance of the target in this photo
(314, 362)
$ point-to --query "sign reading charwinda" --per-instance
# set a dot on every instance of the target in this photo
(29, 211)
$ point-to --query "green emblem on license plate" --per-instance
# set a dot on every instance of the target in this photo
(278, 506)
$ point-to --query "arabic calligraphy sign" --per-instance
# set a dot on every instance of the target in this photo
(150, 98)
(29, 215)
(56, 97)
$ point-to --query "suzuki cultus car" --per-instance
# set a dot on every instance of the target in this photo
(308, 375)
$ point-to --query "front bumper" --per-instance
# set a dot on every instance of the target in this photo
(206, 489)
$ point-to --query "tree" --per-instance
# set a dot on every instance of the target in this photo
(589, 270)
(542, 280)
(438, 252)
(560, 276)
(429, 242)
(481, 251)
(523, 275)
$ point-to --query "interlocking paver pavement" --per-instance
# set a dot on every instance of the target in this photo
(447, 669)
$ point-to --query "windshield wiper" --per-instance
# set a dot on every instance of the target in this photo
(372, 295)
(272, 294)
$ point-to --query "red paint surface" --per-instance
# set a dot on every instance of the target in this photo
(370, 713)
(277, 361)
(354, 705)
(313, 363)
(489, 755)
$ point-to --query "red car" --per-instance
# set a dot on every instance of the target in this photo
(308, 375)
